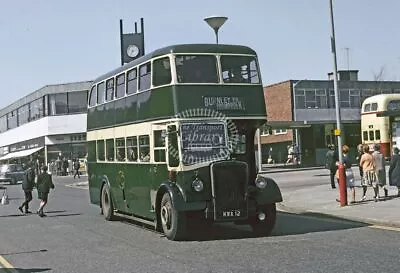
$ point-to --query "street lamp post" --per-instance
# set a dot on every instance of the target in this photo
(215, 22)
(342, 173)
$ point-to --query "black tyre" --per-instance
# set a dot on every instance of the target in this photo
(264, 227)
(173, 223)
(106, 204)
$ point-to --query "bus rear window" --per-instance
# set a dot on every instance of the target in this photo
(371, 135)
(377, 135)
(239, 69)
(365, 135)
(196, 69)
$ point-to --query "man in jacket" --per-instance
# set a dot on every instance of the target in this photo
(44, 184)
(27, 185)
(331, 158)
(394, 170)
(77, 165)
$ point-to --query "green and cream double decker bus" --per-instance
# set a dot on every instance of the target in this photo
(171, 140)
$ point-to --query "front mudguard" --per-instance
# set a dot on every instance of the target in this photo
(269, 195)
(177, 198)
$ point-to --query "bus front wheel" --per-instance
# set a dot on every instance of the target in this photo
(173, 222)
(263, 223)
(106, 203)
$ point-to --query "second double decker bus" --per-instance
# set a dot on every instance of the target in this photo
(375, 128)
(171, 140)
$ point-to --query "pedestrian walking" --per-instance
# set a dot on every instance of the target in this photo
(77, 165)
(379, 162)
(394, 170)
(358, 158)
(332, 158)
(28, 184)
(44, 184)
(65, 167)
(369, 175)
(290, 157)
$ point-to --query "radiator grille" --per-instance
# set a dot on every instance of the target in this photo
(229, 182)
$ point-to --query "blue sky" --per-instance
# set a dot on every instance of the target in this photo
(51, 42)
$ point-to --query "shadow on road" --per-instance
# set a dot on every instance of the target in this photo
(293, 224)
(63, 215)
(12, 215)
(321, 174)
(30, 270)
(287, 224)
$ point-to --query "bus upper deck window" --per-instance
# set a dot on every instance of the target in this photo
(110, 89)
(131, 82)
(239, 69)
(92, 98)
(144, 76)
(100, 93)
(367, 107)
(374, 106)
(120, 90)
(196, 69)
(161, 72)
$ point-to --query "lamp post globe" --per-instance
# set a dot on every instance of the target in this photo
(215, 22)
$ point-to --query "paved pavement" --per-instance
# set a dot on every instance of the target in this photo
(321, 200)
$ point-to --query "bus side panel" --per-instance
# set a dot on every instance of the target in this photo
(229, 100)
(94, 184)
(109, 114)
(129, 113)
(138, 185)
(113, 173)
(156, 103)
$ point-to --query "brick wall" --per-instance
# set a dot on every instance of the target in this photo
(278, 100)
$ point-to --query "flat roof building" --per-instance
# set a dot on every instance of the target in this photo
(47, 124)
(308, 107)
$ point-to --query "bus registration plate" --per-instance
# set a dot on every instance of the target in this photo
(231, 213)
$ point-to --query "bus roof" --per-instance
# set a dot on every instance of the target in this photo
(181, 48)
(382, 98)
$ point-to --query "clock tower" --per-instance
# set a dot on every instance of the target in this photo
(132, 44)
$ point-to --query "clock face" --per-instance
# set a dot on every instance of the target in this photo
(132, 51)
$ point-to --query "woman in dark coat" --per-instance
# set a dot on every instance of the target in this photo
(394, 170)
(44, 184)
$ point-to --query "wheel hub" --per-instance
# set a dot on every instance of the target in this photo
(166, 216)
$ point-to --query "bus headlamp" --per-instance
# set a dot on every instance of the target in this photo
(197, 185)
(261, 182)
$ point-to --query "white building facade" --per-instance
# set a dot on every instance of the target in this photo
(47, 124)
